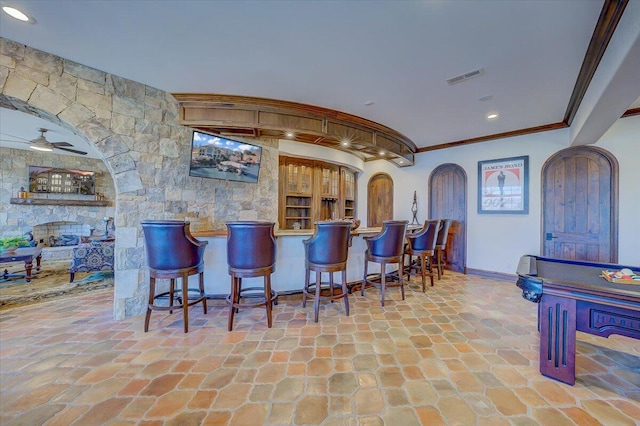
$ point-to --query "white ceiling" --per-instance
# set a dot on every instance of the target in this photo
(18, 126)
(338, 54)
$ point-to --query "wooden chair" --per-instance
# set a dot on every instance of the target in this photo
(384, 248)
(327, 251)
(441, 246)
(172, 252)
(251, 252)
(423, 245)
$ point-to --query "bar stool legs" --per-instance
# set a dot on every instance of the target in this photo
(315, 290)
(234, 299)
(383, 279)
(183, 298)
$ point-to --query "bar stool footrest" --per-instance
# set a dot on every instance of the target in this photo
(253, 293)
(311, 292)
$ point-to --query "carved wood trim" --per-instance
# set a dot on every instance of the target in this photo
(631, 112)
(257, 117)
(513, 133)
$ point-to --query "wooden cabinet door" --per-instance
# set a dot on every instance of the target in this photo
(299, 179)
(580, 205)
(348, 193)
(330, 181)
(379, 199)
(329, 188)
(296, 210)
(448, 200)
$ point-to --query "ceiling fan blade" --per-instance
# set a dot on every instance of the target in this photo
(60, 143)
(71, 150)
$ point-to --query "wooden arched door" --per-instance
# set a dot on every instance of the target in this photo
(580, 205)
(379, 199)
(448, 200)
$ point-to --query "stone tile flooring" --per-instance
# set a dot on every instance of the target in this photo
(463, 353)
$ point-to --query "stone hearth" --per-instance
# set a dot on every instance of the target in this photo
(43, 232)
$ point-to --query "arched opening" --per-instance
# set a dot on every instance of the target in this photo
(580, 205)
(379, 199)
(448, 200)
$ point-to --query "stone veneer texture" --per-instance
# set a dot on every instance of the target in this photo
(16, 219)
(145, 149)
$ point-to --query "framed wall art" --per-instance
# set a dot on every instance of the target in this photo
(503, 186)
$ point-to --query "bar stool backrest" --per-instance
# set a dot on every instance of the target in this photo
(390, 241)
(171, 246)
(442, 233)
(425, 239)
(251, 245)
(329, 244)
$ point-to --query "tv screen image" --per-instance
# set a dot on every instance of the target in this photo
(217, 157)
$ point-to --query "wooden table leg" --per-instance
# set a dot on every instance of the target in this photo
(557, 321)
(28, 265)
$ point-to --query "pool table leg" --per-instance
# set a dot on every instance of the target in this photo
(557, 321)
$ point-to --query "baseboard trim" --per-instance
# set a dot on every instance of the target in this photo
(490, 274)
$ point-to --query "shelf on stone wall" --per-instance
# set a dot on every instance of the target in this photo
(53, 202)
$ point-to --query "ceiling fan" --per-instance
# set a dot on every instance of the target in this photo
(42, 144)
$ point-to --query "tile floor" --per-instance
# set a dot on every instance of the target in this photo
(463, 353)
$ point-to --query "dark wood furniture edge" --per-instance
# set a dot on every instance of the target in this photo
(54, 202)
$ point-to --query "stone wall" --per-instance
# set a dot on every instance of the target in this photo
(135, 127)
(17, 219)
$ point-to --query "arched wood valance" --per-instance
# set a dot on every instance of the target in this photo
(230, 115)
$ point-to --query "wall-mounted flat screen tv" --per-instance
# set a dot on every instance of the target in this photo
(56, 180)
(216, 157)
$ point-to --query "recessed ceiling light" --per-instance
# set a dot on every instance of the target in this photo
(345, 143)
(381, 152)
(17, 14)
(486, 98)
(492, 116)
(369, 103)
(289, 134)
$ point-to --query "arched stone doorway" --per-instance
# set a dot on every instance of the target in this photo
(580, 205)
(379, 199)
(448, 200)
(135, 128)
(25, 107)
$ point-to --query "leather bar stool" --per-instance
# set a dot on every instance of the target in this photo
(172, 252)
(251, 252)
(386, 247)
(423, 245)
(441, 246)
(326, 251)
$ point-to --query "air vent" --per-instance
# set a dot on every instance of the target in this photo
(466, 76)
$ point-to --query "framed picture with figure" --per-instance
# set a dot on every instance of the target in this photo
(503, 186)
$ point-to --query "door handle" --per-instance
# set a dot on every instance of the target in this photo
(550, 236)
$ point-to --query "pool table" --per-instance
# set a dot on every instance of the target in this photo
(572, 297)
